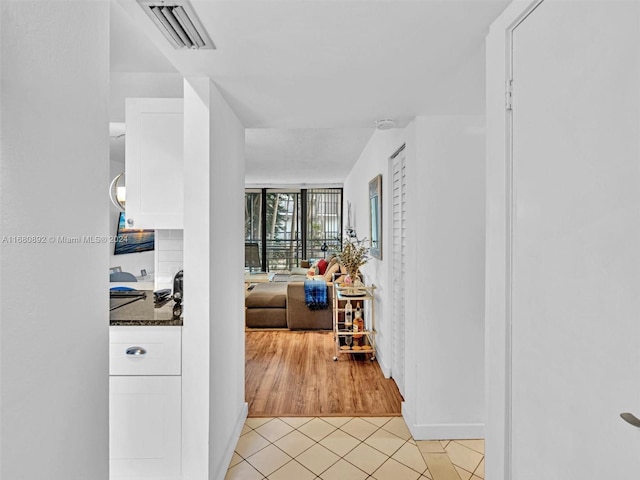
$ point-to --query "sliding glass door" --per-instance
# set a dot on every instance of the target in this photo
(283, 230)
(291, 225)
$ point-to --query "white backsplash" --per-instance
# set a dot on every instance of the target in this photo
(169, 248)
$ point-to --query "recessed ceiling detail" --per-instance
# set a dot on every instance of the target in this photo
(178, 22)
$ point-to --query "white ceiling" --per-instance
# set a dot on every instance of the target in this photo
(328, 68)
(317, 156)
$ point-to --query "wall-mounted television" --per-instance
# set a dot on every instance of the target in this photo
(132, 240)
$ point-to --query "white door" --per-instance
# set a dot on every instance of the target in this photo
(399, 189)
(576, 241)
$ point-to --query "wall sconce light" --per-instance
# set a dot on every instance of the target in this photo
(349, 230)
(117, 192)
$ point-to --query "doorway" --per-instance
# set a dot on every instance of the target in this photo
(293, 372)
(399, 212)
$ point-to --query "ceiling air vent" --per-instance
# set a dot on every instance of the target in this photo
(178, 22)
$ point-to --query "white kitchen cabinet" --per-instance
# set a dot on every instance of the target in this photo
(145, 402)
(154, 163)
(144, 431)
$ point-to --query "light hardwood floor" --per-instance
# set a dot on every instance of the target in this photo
(289, 373)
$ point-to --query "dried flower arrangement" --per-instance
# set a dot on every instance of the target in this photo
(354, 254)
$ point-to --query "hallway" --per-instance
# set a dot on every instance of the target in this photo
(348, 448)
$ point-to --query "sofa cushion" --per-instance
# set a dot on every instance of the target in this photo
(298, 278)
(299, 271)
(267, 295)
(300, 317)
(266, 317)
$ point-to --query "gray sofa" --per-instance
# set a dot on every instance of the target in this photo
(282, 305)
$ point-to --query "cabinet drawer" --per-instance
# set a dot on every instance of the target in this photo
(145, 351)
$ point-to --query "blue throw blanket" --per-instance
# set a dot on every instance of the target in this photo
(315, 294)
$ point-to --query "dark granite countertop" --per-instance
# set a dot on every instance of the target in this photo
(142, 312)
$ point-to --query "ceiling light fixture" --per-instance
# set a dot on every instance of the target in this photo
(178, 22)
(385, 124)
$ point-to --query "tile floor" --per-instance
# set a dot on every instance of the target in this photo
(348, 448)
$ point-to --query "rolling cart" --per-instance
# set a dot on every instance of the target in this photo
(347, 338)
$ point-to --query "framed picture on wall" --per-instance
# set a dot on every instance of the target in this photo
(375, 210)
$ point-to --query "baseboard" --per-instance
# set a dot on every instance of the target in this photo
(442, 431)
(386, 371)
(231, 446)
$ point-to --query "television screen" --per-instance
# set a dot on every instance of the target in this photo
(132, 240)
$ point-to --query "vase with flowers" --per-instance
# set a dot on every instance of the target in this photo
(354, 254)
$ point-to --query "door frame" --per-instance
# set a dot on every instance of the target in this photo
(499, 240)
(395, 320)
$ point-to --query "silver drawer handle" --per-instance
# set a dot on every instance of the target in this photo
(136, 351)
(631, 419)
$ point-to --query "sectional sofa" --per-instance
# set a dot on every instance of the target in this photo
(282, 305)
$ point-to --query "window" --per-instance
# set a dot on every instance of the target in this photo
(324, 221)
(291, 225)
(283, 230)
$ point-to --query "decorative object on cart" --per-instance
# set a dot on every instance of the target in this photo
(354, 254)
(358, 324)
(375, 211)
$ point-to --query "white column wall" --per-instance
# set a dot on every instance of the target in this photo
(54, 162)
(444, 347)
(445, 222)
(213, 335)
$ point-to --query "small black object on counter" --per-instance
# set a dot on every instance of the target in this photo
(160, 297)
(178, 294)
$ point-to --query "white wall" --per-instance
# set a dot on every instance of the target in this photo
(213, 336)
(54, 312)
(444, 377)
(140, 85)
(374, 160)
(445, 280)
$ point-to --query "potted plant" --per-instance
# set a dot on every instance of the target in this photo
(353, 255)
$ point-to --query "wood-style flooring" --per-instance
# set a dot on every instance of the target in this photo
(290, 373)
